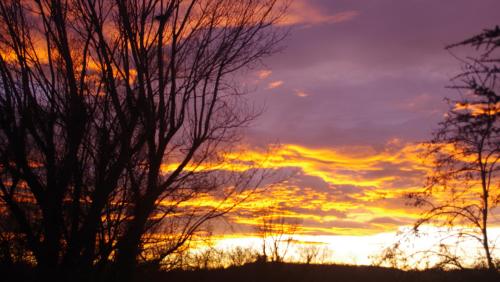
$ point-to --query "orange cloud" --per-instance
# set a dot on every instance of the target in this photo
(340, 196)
(478, 108)
(350, 190)
(301, 94)
(275, 84)
(303, 12)
(347, 190)
(263, 74)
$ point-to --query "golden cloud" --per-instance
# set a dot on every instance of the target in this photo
(477, 109)
(354, 190)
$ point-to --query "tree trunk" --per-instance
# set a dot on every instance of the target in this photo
(129, 246)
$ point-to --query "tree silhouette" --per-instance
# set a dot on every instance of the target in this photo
(314, 253)
(276, 232)
(113, 114)
(463, 187)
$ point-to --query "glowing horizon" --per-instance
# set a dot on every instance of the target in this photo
(362, 249)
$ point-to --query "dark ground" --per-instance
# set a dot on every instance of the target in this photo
(289, 273)
(309, 273)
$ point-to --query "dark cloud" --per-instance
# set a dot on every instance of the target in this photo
(385, 169)
(348, 189)
(303, 180)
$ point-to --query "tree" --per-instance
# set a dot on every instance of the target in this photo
(277, 233)
(239, 256)
(113, 114)
(463, 186)
(311, 253)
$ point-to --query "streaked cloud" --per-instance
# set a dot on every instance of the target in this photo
(300, 93)
(275, 84)
(306, 13)
(343, 16)
(353, 190)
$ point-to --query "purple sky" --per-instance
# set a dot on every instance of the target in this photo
(376, 75)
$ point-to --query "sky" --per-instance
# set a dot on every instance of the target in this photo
(354, 90)
(356, 87)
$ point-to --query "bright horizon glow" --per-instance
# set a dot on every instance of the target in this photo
(364, 250)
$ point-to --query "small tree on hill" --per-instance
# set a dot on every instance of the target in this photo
(276, 232)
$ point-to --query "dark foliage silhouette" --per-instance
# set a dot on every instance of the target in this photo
(113, 113)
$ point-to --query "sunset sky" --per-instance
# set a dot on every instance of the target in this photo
(357, 86)
(145, 138)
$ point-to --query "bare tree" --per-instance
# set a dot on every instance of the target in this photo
(313, 253)
(463, 187)
(445, 253)
(277, 233)
(239, 256)
(113, 113)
